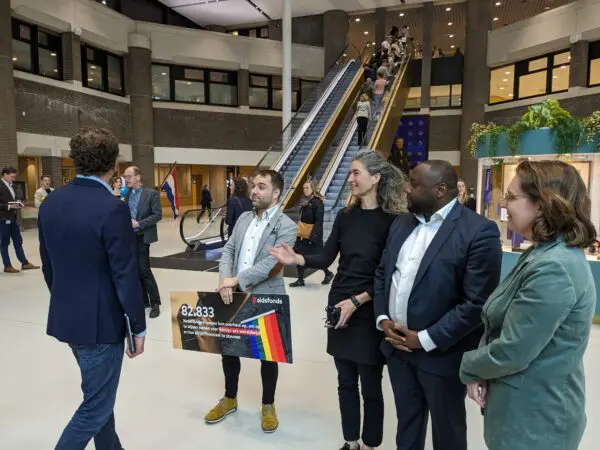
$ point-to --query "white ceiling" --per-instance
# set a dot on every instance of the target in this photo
(233, 12)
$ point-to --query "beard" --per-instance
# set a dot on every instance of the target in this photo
(261, 203)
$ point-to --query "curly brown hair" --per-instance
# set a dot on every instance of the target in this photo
(557, 188)
(94, 151)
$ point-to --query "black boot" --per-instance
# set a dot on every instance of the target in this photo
(298, 283)
(328, 278)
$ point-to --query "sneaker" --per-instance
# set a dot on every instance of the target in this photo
(349, 447)
(297, 283)
(225, 407)
(327, 278)
(269, 419)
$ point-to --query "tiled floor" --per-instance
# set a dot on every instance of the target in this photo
(165, 393)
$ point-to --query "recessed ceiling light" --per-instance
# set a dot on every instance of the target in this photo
(498, 3)
(563, 67)
(14, 58)
(374, 54)
(345, 54)
(501, 88)
(496, 19)
(164, 73)
(93, 67)
(569, 58)
(366, 32)
(448, 9)
(373, 43)
(555, 77)
(453, 46)
(90, 79)
(104, 2)
(189, 83)
(55, 70)
(401, 14)
(357, 19)
(450, 36)
(52, 54)
(505, 80)
(507, 73)
(449, 24)
(511, 95)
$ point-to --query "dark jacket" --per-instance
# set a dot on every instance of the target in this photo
(149, 213)
(458, 273)
(206, 198)
(5, 197)
(236, 206)
(313, 213)
(89, 263)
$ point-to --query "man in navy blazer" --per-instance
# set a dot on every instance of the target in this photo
(87, 248)
(440, 265)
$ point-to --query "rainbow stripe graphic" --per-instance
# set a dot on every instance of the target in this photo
(267, 344)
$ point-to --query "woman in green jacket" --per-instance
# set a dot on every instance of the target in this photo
(527, 374)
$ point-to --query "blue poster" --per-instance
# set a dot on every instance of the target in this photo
(411, 143)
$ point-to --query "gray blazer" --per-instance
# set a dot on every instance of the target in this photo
(266, 275)
(537, 326)
(149, 213)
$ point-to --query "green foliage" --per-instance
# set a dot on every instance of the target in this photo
(568, 131)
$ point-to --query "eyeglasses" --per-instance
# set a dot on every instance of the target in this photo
(509, 197)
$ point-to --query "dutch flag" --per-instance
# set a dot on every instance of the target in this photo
(170, 188)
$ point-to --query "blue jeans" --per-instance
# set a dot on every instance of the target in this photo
(100, 367)
(10, 231)
(377, 104)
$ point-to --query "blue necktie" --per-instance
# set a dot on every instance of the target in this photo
(134, 204)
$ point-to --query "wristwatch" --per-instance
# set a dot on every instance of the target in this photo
(355, 302)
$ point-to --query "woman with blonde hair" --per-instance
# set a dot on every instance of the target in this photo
(310, 229)
(463, 195)
(527, 374)
(359, 236)
(363, 116)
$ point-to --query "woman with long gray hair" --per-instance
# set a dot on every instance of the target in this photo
(359, 236)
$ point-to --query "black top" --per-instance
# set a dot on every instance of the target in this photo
(236, 206)
(471, 204)
(206, 198)
(359, 236)
(5, 198)
(313, 214)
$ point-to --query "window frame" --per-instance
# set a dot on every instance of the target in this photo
(177, 73)
(271, 90)
(593, 49)
(246, 32)
(34, 47)
(521, 68)
(449, 106)
(100, 59)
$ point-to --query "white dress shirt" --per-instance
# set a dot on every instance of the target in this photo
(10, 188)
(252, 239)
(409, 260)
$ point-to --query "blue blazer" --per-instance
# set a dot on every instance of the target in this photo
(458, 273)
(89, 261)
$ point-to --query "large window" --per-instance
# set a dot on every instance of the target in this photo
(193, 85)
(449, 96)
(531, 78)
(266, 91)
(414, 98)
(36, 50)
(594, 69)
(101, 70)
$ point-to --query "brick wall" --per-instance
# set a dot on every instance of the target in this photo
(578, 106)
(61, 112)
(205, 129)
(444, 133)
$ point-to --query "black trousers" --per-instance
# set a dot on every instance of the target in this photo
(349, 373)
(362, 123)
(301, 270)
(149, 287)
(419, 394)
(269, 371)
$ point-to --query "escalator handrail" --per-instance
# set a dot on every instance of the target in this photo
(298, 112)
(339, 155)
(215, 213)
(308, 121)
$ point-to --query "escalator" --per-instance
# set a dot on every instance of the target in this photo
(290, 155)
(380, 136)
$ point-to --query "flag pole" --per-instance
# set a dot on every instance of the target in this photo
(160, 186)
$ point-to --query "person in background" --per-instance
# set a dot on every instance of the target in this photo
(310, 230)
(238, 203)
(246, 266)
(93, 280)
(43, 191)
(463, 196)
(527, 374)
(440, 265)
(378, 196)
(367, 88)
(9, 225)
(146, 212)
(117, 186)
(205, 203)
(398, 156)
(384, 69)
(378, 92)
(370, 73)
(363, 116)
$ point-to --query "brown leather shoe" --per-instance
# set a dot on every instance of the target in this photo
(10, 269)
(29, 266)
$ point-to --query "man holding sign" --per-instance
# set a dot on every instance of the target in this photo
(246, 266)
